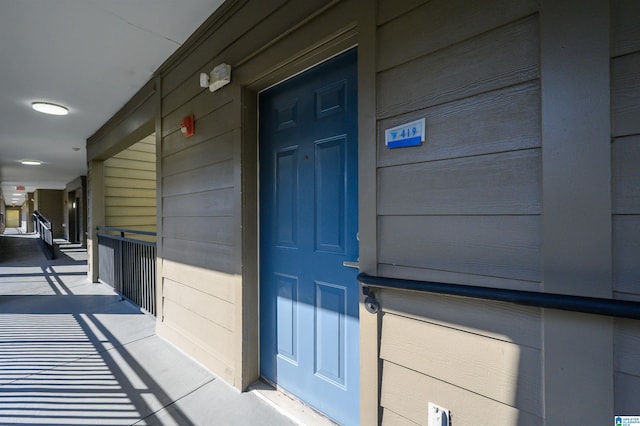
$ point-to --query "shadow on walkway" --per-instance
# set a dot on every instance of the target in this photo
(73, 352)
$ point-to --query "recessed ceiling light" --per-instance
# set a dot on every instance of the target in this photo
(31, 162)
(49, 108)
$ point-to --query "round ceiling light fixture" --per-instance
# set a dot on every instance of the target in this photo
(49, 108)
(31, 162)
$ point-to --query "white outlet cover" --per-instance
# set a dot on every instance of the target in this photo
(437, 415)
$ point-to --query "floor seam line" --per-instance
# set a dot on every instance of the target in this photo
(175, 401)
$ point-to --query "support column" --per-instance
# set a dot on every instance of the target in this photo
(370, 377)
(95, 214)
(576, 217)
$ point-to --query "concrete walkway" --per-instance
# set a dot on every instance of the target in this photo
(73, 352)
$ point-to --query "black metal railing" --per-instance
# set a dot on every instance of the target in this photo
(42, 226)
(128, 265)
(587, 305)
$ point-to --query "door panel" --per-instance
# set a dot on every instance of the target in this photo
(286, 192)
(309, 329)
(330, 212)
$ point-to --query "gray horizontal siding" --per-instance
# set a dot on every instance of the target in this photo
(505, 183)
(625, 115)
(502, 57)
(470, 126)
(464, 207)
(435, 25)
(500, 246)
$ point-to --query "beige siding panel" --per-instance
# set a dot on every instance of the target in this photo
(134, 155)
(147, 144)
(500, 246)
(626, 246)
(130, 187)
(199, 155)
(216, 230)
(130, 222)
(127, 182)
(499, 58)
(217, 123)
(435, 275)
(129, 193)
(215, 310)
(133, 174)
(625, 31)
(217, 257)
(129, 202)
(408, 392)
(496, 320)
(129, 211)
(626, 175)
(217, 202)
(130, 164)
(216, 339)
(625, 95)
(391, 9)
(502, 120)
(389, 418)
(216, 176)
(194, 347)
(499, 370)
(506, 183)
(214, 283)
(627, 389)
(441, 23)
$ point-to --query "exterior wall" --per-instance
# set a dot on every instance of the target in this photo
(78, 187)
(462, 208)
(29, 206)
(50, 203)
(517, 186)
(625, 112)
(130, 187)
(208, 273)
(135, 121)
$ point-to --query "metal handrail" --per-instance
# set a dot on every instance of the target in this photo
(44, 229)
(582, 304)
(128, 265)
(42, 219)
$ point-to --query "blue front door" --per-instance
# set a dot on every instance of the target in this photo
(309, 330)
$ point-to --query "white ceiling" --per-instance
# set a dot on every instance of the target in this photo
(91, 56)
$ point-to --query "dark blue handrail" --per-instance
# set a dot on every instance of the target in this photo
(587, 305)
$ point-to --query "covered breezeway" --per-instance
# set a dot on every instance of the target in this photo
(75, 352)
